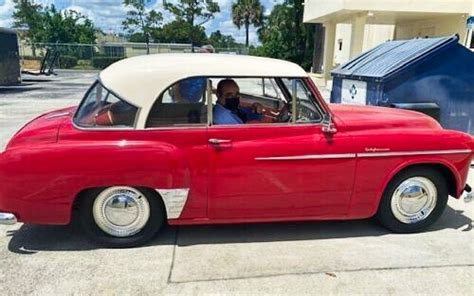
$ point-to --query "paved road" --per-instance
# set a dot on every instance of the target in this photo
(20, 104)
(353, 257)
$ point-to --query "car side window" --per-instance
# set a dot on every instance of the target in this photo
(260, 87)
(252, 100)
(182, 104)
(307, 111)
(101, 108)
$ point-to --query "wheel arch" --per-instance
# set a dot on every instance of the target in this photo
(447, 170)
(84, 192)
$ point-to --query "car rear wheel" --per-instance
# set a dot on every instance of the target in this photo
(121, 216)
(413, 200)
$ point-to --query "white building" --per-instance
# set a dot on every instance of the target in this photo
(353, 26)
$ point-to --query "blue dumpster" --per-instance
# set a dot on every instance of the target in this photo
(434, 76)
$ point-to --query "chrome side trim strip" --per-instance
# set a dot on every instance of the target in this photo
(370, 154)
(310, 156)
(59, 115)
(411, 153)
(174, 200)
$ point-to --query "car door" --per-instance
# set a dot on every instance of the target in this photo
(177, 124)
(279, 170)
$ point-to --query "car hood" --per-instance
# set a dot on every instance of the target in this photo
(352, 117)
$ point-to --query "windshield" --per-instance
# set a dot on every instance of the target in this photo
(101, 108)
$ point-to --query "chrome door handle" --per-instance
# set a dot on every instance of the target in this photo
(219, 141)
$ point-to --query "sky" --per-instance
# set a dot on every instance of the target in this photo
(108, 14)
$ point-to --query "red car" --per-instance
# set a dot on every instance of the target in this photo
(207, 138)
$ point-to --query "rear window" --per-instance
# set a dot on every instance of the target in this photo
(101, 108)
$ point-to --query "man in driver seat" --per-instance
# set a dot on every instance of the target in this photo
(227, 109)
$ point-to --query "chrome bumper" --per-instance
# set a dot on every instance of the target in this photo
(7, 219)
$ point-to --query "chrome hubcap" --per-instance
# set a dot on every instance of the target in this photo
(121, 211)
(414, 200)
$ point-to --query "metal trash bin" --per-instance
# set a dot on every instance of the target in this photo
(10, 72)
(434, 76)
(431, 109)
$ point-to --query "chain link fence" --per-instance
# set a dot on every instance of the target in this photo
(99, 56)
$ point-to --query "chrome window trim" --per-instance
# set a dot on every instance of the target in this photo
(196, 126)
(59, 115)
(262, 125)
(210, 115)
(101, 129)
(210, 106)
(117, 128)
(209, 123)
(314, 100)
(292, 124)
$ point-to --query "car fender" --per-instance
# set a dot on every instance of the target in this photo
(418, 162)
(53, 183)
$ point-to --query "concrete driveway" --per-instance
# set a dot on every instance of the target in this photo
(352, 257)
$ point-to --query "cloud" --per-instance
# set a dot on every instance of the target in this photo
(106, 14)
(109, 14)
(6, 10)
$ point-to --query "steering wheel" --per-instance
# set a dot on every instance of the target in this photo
(285, 114)
(307, 112)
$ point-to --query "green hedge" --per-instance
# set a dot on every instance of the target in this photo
(67, 62)
(32, 58)
(104, 62)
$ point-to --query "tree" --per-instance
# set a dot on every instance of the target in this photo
(179, 31)
(48, 25)
(195, 13)
(246, 13)
(137, 37)
(141, 20)
(284, 35)
(219, 40)
(67, 26)
(27, 15)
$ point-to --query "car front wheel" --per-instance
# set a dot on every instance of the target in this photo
(413, 200)
(121, 216)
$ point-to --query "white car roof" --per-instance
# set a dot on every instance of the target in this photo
(140, 80)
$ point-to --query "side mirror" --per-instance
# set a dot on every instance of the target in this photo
(328, 126)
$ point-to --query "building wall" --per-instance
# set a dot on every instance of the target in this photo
(319, 9)
(376, 21)
(434, 27)
(342, 48)
(373, 36)
(376, 34)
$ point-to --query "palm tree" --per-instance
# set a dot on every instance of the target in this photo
(246, 13)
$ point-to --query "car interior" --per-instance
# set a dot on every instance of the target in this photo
(272, 94)
(270, 97)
